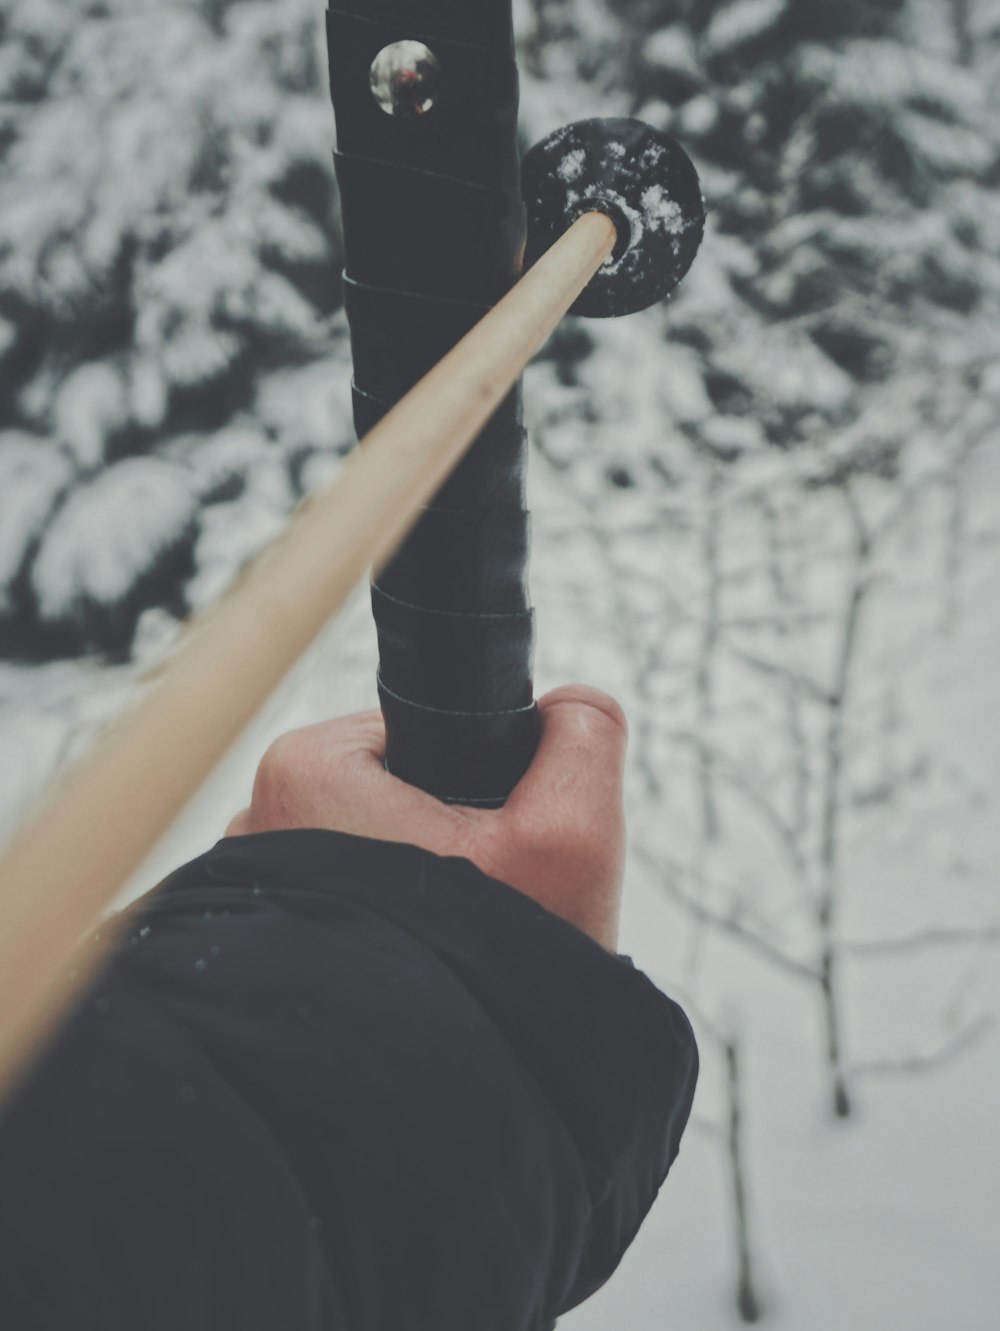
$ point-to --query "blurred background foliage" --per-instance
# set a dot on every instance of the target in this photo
(849, 159)
(169, 266)
(169, 259)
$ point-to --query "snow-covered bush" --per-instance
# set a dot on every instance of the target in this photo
(121, 543)
(848, 160)
(34, 477)
(168, 239)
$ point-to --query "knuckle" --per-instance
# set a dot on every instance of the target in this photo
(279, 756)
(275, 772)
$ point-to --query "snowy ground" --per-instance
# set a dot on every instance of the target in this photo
(893, 1219)
(889, 1219)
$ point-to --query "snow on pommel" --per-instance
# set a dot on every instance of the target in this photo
(644, 180)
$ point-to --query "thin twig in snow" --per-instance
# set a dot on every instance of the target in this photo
(667, 880)
(935, 936)
(972, 1034)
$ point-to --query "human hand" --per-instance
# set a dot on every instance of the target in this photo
(559, 839)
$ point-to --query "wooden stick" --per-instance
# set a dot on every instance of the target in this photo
(71, 860)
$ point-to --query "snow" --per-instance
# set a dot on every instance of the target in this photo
(788, 370)
(309, 406)
(710, 596)
(33, 477)
(660, 212)
(699, 115)
(654, 212)
(884, 74)
(889, 1220)
(671, 49)
(571, 166)
(110, 534)
(148, 391)
(948, 149)
(882, 1220)
(739, 23)
(683, 389)
(233, 533)
(90, 408)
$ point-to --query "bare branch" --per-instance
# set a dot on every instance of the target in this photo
(935, 936)
(972, 1034)
(802, 684)
(667, 879)
(747, 1299)
(771, 816)
(779, 620)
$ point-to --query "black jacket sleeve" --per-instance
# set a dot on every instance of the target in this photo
(329, 1084)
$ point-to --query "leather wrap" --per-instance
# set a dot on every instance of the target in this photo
(434, 235)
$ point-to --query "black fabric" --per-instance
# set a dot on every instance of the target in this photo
(328, 1084)
(433, 236)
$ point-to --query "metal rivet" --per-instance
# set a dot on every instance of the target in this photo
(404, 78)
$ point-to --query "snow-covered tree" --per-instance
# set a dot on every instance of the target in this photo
(849, 166)
(168, 239)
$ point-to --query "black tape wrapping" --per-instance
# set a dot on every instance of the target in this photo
(433, 234)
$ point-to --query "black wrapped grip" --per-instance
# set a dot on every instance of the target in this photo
(434, 234)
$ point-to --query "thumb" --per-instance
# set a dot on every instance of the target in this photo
(581, 755)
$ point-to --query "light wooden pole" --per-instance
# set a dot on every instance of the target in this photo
(70, 861)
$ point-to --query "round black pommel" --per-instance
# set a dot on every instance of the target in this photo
(644, 181)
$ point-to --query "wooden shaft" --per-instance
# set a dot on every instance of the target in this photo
(66, 866)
